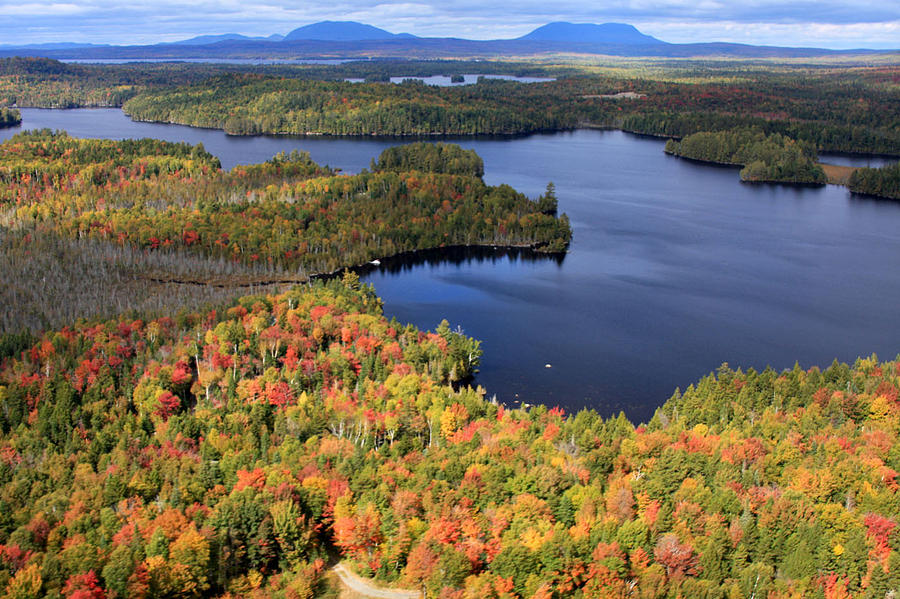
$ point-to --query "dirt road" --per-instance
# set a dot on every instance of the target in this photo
(368, 589)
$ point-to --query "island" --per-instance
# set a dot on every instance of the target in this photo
(883, 182)
(10, 117)
(764, 158)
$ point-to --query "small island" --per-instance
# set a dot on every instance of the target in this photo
(765, 158)
(10, 117)
(882, 182)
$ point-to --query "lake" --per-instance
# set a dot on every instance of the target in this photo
(675, 266)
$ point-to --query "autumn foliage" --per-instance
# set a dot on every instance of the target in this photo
(227, 452)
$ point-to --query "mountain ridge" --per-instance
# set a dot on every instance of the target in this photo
(202, 40)
(353, 40)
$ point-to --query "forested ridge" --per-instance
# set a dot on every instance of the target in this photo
(850, 109)
(764, 157)
(853, 111)
(283, 220)
(48, 83)
(229, 453)
(245, 105)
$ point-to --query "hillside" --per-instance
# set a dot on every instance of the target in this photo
(229, 452)
(235, 450)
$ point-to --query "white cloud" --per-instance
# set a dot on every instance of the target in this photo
(828, 23)
(822, 35)
(41, 10)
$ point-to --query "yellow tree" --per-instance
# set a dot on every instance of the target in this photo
(189, 563)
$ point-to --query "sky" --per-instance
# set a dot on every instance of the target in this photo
(836, 24)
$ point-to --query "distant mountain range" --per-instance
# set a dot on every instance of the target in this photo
(203, 40)
(349, 39)
(53, 46)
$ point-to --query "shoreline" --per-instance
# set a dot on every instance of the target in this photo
(737, 165)
(836, 174)
(581, 126)
(363, 268)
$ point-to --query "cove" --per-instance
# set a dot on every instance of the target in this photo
(675, 267)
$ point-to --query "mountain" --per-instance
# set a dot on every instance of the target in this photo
(342, 31)
(202, 40)
(607, 33)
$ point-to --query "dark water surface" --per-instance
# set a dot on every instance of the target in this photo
(675, 266)
(869, 160)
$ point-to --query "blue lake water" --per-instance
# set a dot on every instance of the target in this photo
(675, 266)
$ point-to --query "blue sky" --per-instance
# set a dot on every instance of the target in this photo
(822, 23)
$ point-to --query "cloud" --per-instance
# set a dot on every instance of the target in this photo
(817, 35)
(830, 23)
(40, 10)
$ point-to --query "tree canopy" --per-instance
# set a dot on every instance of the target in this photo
(883, 182)
(228, 452)
(764, 157)
(159, 213)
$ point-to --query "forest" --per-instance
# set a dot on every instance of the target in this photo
(851, 109)
(443, 158)
(47, 83)
(199, 398)
(773, 158)
(145, 205)
(236, 452)
(883, 182)
(9, 117)
(248, 105)
(855, 113)
(834, 119)
(848, 109)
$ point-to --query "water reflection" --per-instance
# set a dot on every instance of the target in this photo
(845, 159)
(459, 256)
